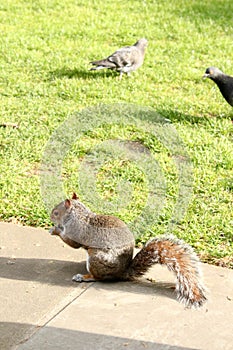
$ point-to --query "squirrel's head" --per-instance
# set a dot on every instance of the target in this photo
(60, 211)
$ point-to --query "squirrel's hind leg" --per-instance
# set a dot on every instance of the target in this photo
(83, 278)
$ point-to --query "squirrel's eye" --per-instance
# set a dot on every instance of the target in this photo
(55, 213)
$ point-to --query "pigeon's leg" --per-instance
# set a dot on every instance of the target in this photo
(120, 76)
(128, 74)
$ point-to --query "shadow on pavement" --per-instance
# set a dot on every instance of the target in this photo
(58, 272)
(53, 338)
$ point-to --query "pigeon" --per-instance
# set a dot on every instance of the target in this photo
(224, 82)
(124, 60)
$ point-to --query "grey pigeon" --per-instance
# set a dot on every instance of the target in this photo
(224, 82)
(124, 60)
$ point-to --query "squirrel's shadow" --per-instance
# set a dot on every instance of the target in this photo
(140, 286)
(53, 272)
(58, 272)
(80, 73)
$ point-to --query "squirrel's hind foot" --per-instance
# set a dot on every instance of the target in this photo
(83, 278)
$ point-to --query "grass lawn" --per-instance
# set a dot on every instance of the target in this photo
(46, 47)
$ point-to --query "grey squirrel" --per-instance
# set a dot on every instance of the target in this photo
(110, 245)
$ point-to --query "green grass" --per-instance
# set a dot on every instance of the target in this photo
(45, 52)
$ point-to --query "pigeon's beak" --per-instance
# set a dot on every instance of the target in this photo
(206, 75)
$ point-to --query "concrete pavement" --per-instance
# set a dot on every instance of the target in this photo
(41, 308)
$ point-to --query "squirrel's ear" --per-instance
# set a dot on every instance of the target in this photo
(67, 203)
(74, 196)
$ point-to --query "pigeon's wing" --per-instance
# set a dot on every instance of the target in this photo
(225, 85)
(124, 57)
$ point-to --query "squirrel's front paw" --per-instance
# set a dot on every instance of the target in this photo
(55, 231)
(51, 231)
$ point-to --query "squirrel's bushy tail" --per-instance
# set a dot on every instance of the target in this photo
(179, 258)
